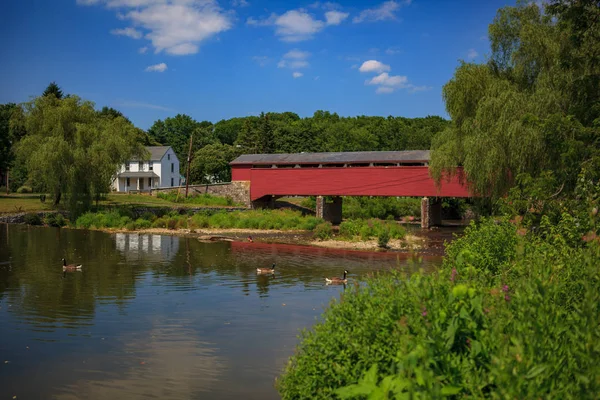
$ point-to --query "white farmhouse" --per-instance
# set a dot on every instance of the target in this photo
(161, 171)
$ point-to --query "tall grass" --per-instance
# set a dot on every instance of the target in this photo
(370, 229)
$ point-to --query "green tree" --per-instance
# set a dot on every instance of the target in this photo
(211, 163)
(248, 139)
(266, 136)
(70, 149)
(176, 132)
(533, 107)
(6, 139)
(54, 90)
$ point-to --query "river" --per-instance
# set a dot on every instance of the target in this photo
(153, 316)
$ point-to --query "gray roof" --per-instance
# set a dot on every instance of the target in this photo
(137, 174)
(410, 156)
(157, 152)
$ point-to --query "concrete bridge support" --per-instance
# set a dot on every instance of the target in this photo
(431, 212)
(330, 211)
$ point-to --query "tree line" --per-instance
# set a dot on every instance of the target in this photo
(60, 144)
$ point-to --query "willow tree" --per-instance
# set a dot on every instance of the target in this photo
(71, 150)
(533, 107)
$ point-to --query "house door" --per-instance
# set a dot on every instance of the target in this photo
(141, 180)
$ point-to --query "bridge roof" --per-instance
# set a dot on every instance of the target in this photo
(410, 156)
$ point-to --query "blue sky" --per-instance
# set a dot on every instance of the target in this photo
(211, 59)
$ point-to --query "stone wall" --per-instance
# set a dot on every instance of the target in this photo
(19, 218)
(239, 191)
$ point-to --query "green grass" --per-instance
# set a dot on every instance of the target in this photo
(15, 203)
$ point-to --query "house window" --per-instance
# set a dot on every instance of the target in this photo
(172, 182)
(172, 167)
(140, 166)
(127, 166)
(169, 157)
(151, 166)
(127, 182)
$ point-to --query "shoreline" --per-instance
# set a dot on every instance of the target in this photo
(297, 237)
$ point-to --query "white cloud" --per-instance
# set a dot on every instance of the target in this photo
(393, 51)
(386, 11)
(174, 26)
(129, 32)
(384, 79)
(294, 59)
(298, 25)
(374, 66)
(472, 54)
(162, 67)
(143, 50)
(239, 3)
(297, 75)
(384, 90)
(335, 17)
(261, 60)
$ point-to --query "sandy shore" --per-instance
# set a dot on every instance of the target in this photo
(410, 242)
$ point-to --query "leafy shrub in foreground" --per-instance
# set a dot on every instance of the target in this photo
(531, 330)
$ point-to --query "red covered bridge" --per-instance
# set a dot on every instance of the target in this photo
(371, 173)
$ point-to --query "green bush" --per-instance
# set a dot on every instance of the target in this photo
(24, 189)
(380, 207)
(57, 220)
(32, 219)
(383, 238)
(529, 330)
(370, 229)
(323, 231)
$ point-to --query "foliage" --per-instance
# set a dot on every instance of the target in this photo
(528, 330)
(353, 229)
(32, 219)
(55, 219)
(210, 164)
(383, 238)
(53, 90)
(324, 231)
(534, 107)
(111, 219)
(176, 132)
(257, 219)
(6, 135)
(205, 199)
(70, 149)
(24, 189)
(380, 207)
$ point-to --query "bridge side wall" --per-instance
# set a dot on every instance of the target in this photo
(366, 181)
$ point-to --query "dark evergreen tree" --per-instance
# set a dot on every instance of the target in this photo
(53, 89)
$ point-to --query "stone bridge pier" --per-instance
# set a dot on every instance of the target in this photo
(431, 212)
(330, 211)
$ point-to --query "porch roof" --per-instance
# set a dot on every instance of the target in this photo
(137, 174)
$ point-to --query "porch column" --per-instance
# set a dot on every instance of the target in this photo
(138, 184)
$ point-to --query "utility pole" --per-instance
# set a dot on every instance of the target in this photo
(7, 190)
(189, 159)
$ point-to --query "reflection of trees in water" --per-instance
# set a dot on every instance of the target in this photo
(176, 365)
(35, 283)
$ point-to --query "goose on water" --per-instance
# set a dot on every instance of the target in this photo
(70, 267)
(337, 279)
(266, 270)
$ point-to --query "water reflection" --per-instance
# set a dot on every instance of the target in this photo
(159, 316)
(156, 248)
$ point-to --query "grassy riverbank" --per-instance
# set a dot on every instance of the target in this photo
(513, 313)
(14, 203)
